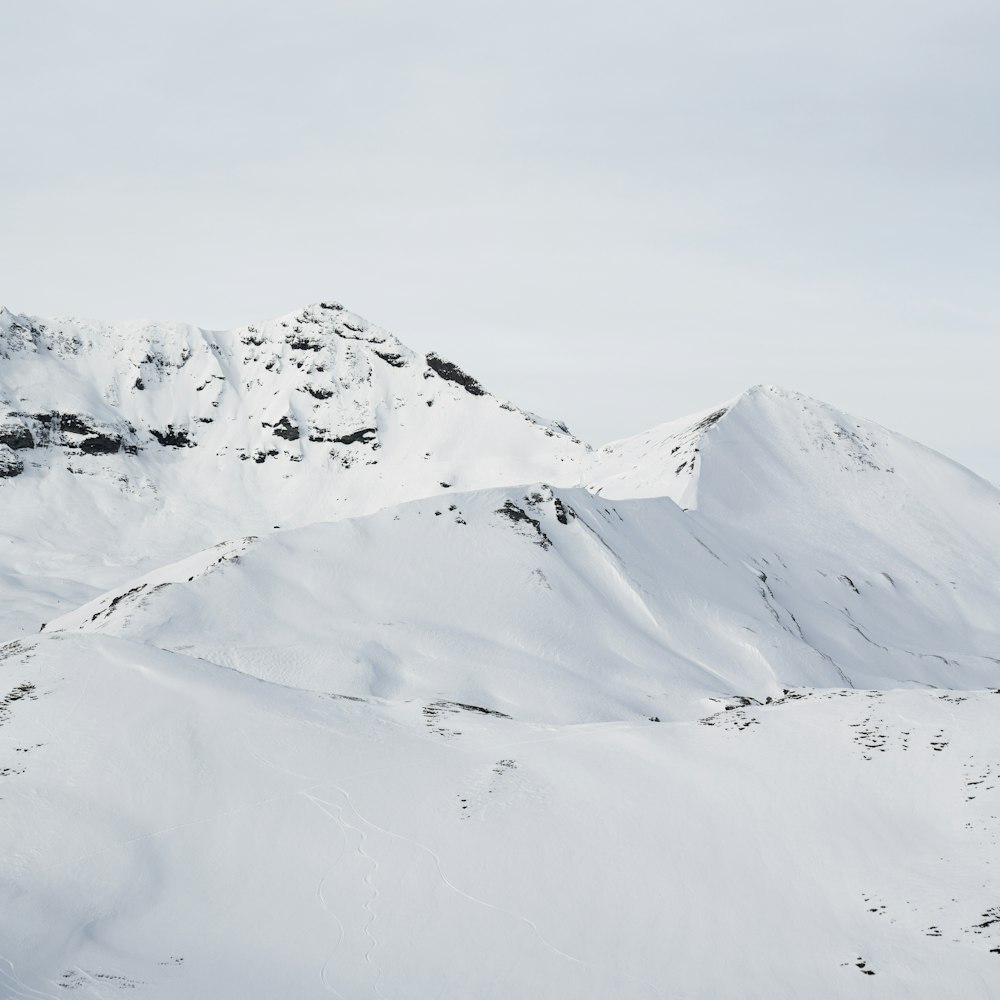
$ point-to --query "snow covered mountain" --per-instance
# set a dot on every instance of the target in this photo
(144, 442)
(868, 547)
(355, 680)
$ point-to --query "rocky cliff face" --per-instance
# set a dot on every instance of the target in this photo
(323, 382)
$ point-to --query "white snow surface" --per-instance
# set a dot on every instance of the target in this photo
(457, 705)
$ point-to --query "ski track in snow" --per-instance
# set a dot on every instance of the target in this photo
(478, 901)
(18, 990)
(321, 896)
(325, 806)
(369, 881)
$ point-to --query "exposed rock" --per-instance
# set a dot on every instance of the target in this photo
(304, 344)
(710, 420)
(318, 392)
(73, 424)
(563, 511)
(517, 515)
(173, 437)
(10, 464)
(396, 360)
(284, 428)
(364, 436)
(452, 373)
(101, 444)
(16, 436)
(545, 494)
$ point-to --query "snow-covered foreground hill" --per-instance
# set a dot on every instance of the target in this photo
(356, 681)
(173, 828)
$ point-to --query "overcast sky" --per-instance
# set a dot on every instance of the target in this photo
(613, 214)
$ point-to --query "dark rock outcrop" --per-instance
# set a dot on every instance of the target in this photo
(101, 444)
(364, 436)
(16, 436)
(452, 373)
(284, 428)
(173, 437)
(514, 513)
(10, 464)
(72, 423)
(396, 360)
(304, 344)
(319, 392)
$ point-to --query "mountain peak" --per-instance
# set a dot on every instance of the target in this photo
(766, 438)
(331, 316)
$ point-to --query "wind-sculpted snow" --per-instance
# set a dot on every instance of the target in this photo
(357, 681)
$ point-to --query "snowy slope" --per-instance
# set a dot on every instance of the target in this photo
(172, 828)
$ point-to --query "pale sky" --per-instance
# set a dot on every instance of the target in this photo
(612, 214)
